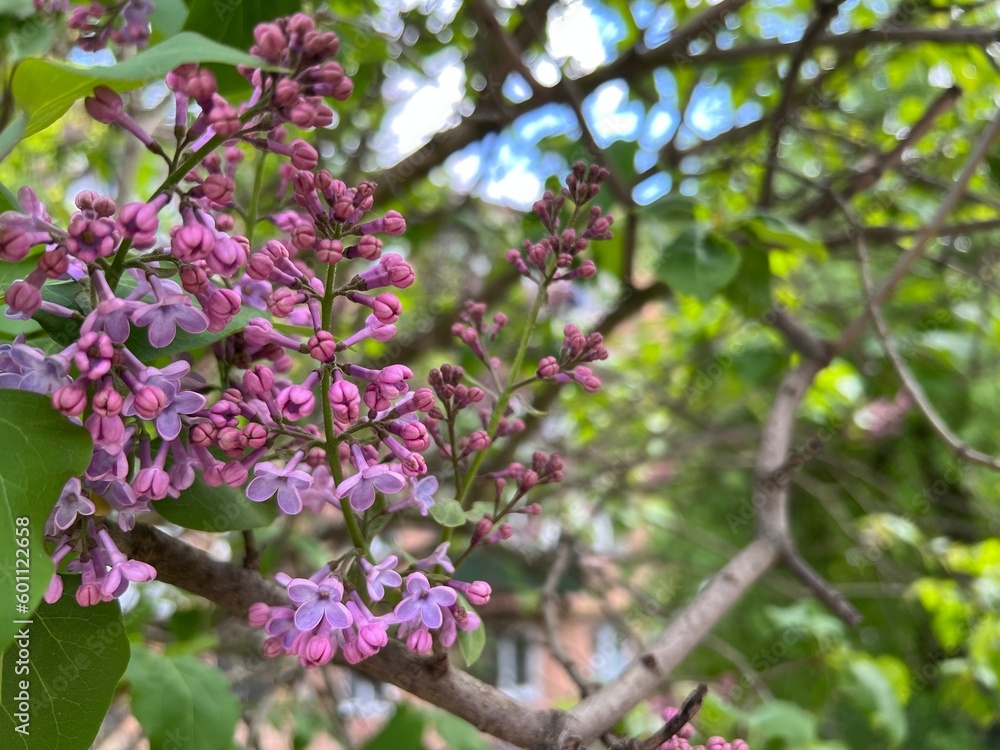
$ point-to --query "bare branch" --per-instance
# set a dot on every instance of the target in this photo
(947, 205)
(906, 376)
(825, 592)
(825, 10)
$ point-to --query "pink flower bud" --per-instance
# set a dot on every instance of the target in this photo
(105, 105)
(258, 614)
(70, 399)
(149, 402)
(259, 380)
(322, 346)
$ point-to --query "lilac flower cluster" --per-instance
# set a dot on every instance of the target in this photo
(125, 23)
(338, 435)
(680, 741)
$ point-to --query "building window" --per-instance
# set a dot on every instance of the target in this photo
(611, 653)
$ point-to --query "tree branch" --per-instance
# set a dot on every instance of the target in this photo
(903, 266)
(825, 10)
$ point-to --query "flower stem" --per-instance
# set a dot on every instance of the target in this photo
(333, 459)
(504, 398)
(258, 180)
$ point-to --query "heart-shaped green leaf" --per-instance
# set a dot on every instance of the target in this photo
(62, 670)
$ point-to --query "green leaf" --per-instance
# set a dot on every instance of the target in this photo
(778, 232)
(781, 720)
(222, 508)
(75, 657)
(45, 89)
(872, 691)
(458, 734)
(471, 643)
(8, 202)
(64, 331)
(698, 262)
(138, 340)
(232, 22)
(39, 451)
(181, 701)
(11, 136)
(479, 509)
(167, 19)
(750, 290)
(449, 513)
(404, 731)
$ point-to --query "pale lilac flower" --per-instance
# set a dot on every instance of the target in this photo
(438, 557)
(377, 577)
(425, 601)
(71, 503)
(168, 422)
(167, 314)
(286, 481)
(122, 569)
(39, 373)
(319, 601)
(360, 489)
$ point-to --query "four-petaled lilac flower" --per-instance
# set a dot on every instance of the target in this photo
(122, 569)
(318, 601)
(168, 423)
(361, 487)
(71, 503)
(167, 314)
(286, 480)
(425, 601)
(39, 373)
(379, 576)
(423, 492)
(438, 557)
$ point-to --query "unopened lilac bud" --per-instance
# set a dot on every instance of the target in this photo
(255, 435)
(105, 105)
(259, 380)
(484, 527)
(548, 367)
(218, 188)
(54, 263)
(304, 156)
(328, 250)
(258, 614)
(194, 279)
(231, 439)
(202, 87)
(479, 441)
(224, 119)
(24, 298)
(419, 641)
(204, 434)
(260, 266)
(234, 474)
(322, 346)
(149, 402)
(70, 399)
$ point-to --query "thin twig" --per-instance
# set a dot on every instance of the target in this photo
(932, 230)
(910, 383)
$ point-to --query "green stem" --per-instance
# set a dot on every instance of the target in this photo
(118, 265)
(258, 180)
(504, 397)
(333, 460)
